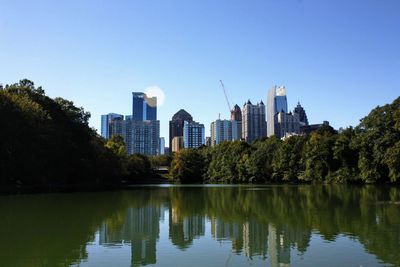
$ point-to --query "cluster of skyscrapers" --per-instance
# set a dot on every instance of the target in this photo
(259, 121)
(139, 228)
(141, 130)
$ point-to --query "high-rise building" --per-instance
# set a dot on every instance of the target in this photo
(177, 143)
(162, 146)
(221, 130)
(287, 123)
(236, 119)
(141, 130)
(143, 107)
(141, 137)
(236, 113)
(176, 124)
(301, 113)
(106, 121)
(277, 102)
(254, 125)
(193, 134)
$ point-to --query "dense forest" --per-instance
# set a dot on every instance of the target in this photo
(368, 153)
(47, 145)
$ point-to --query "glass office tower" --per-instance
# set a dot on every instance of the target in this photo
(143, 107)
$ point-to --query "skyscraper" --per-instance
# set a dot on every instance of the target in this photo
(143, 107)
(221, 130)
(177, 144)
(141, 137)
(287, 123)
(193, 134)
(106, 121)
(162, 146)
(140, 131)
(277, 102)
(236, 113)
(301, 113)
(236, 119)
(254, 125)
(176, 124)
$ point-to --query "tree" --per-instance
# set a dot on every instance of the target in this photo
(117, 145)
(289, 160)
(318, 157)
(187, 166)
(376, 140)
(260, 164)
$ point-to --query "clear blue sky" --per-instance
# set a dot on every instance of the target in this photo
(340, 58)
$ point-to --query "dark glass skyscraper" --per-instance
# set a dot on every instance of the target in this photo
(176, 124)
(143, 108)
(301, 113)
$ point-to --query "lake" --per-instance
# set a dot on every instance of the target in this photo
(204, 226)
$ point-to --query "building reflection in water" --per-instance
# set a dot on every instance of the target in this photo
(183, 229)
(140, 228)
(255, 239)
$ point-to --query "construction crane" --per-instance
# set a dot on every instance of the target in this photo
(226, 96)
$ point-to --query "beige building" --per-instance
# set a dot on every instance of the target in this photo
(177, 143)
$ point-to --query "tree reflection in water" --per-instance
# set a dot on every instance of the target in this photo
(263, 222)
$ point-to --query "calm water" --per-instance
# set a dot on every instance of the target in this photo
(204, 226)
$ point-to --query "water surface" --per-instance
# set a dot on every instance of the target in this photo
(204, 226)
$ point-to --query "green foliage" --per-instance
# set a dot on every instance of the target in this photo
(117, 145)
(187, 166)
(160, 161)
(228, 162)
(370, 153)
(138, 167)
(318, 154)
(47, 144)
(260, 164)
(289, 159)
(377, 139)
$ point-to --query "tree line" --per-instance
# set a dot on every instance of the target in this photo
(368, 153)
(46, 144)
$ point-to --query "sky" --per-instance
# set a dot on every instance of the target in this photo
(339, 58)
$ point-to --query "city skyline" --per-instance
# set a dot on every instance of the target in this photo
(332, 57)
(254, 121)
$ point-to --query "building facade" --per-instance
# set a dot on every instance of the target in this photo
(140, 131)
(106, 121)
(254, 125)
(276, 102)
(236, 119)
(177, 144)
(143, 107)
(162, 146)
(287, 124)
(193, 134)
(301, 113)
(141, 137)
(220, 130)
